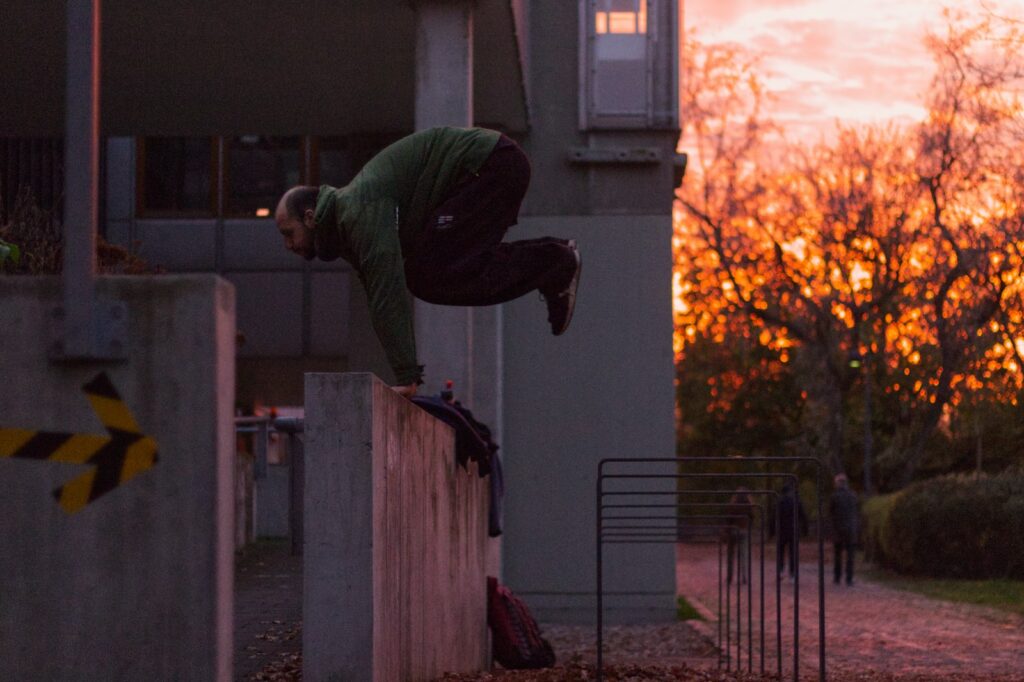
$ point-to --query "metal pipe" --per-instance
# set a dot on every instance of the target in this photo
(81, 176)
(750, 601)
(600, 587)
(794, 557)
(719, 643)
(297, 484)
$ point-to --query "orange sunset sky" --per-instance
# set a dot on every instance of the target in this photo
(828, 60)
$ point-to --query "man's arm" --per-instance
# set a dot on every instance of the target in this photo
(373, 238)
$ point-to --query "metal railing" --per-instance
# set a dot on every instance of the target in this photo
(722, 524)
(292, 428)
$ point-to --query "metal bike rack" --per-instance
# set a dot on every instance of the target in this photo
(637, 535)
(725, 515)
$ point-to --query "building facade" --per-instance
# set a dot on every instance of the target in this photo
(210, 110)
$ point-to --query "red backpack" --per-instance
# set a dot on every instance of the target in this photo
(517, 641)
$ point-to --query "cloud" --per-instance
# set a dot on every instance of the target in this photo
(860, 60)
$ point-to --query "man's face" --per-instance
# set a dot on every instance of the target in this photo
(297, 233)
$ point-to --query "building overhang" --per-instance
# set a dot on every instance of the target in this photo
(173, 67)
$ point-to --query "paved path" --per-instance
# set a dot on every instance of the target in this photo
(268, 613)
(869, 627)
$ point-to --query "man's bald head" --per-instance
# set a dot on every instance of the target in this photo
(296, 201)
(295, 219)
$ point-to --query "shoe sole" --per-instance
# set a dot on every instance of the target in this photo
(573, 285)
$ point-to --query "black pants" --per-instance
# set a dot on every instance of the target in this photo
(459, 258)
(840, 548)
(786, 543)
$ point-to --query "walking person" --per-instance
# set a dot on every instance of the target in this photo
(427, 216)
(789, 509)
(844, 511)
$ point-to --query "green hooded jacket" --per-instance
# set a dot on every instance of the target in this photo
(376, 218)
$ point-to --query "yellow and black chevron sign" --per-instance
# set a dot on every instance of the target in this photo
(116, 458)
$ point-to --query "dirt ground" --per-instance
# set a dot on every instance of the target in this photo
(873, 633)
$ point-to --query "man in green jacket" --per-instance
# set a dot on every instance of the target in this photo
(427, 215)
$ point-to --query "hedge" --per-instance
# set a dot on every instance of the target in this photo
(956, 526)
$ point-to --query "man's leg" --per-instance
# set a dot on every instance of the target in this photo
(460, 259)
(849, 562)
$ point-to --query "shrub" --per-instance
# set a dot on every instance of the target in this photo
(876, 512)
(35, 239)
(957, 526)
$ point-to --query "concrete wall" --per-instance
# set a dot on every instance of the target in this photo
(272, 499)
(557, 186)
(138, 584)
(394, 575)
(603, 389)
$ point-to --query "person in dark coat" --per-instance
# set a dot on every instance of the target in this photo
(845, 515)
(789, 508)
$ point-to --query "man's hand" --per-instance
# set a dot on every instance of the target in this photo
(407, 391)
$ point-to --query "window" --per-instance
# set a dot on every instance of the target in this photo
(628, 63)
(175, 176)
(258, 170)
(31, 170)
(340, 158)
(244, 176)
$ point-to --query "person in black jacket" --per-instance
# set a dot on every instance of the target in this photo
(789, 509)
(845, 515)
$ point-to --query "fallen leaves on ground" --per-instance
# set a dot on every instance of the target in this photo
(288, 668)
(578, 671)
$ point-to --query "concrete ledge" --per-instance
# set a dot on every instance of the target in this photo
(137, 585)
(396, 537)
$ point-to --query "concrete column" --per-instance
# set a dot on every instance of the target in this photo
(444, 63)
(81, 176)
(444, 97)
(461, 344)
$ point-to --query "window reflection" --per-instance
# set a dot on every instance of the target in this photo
(621, 16)
(175, 175)
(259, 170)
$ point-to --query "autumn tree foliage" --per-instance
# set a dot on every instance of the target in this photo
(887, 255)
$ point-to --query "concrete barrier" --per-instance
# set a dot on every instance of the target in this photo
(137, 584)
(396, 537)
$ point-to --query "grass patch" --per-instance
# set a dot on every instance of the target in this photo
(685, 610)
(1005, 595)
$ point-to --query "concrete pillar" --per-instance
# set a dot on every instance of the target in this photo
(444, 97)
(461, 344)
(444, 63)
(137, 584)
(396, 533)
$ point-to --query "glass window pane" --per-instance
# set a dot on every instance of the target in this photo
(619, 85)
(259, 170)
(342, 157)
(176, 175)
